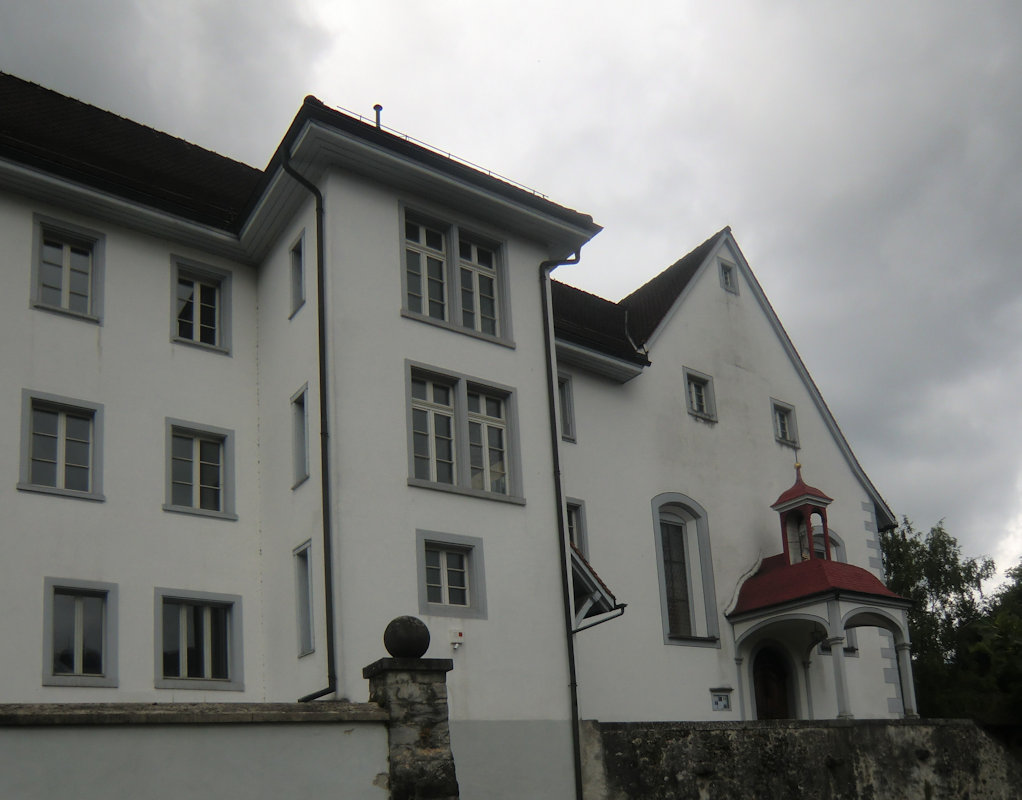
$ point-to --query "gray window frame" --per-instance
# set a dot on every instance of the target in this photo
(472, 547)
(710, 397)
(566, 406)
(188, 268)
(453, 233)
(235, 682)
(728, 276)
(460, 385)
(79, 587)
(79, 234)
(581, 526)
(788, 409)
(29, 399)
(196, 430)
(304, 617)
(296, 273)
(694, 515)
(300, 436)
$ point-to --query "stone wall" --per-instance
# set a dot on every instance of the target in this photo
(828, 760)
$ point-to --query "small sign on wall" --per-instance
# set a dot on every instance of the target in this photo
(720, 699)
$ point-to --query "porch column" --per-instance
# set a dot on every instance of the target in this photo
(837, 653)
(908, 688)
(741, 686)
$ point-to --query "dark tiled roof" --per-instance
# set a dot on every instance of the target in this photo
(79, 142)
(590, 321)
(777, 583)
(648, 304)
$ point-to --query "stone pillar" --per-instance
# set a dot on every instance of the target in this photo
(837, 653)
(908, 687)
(413, 691)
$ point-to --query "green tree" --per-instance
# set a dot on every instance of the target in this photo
(948, 607)
(995, 653)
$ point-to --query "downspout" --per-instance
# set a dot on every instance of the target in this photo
(324, 437)
(545, 268)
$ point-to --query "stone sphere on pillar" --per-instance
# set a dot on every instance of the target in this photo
(406, 637)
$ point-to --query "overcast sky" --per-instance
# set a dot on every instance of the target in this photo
(867, 155)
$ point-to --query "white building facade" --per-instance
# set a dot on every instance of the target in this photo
(253, 415)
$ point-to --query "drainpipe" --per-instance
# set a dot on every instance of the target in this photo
(324, 436)
(545, 268)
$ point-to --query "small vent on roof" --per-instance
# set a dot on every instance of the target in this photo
(377, 108)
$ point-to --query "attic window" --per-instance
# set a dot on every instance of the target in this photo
(728, 277)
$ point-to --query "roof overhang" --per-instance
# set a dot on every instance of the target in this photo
(616, 369)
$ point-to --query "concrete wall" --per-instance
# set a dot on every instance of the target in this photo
(878, 760)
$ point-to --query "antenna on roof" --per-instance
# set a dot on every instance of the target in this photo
(377, 108)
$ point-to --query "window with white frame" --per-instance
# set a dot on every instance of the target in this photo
(451, 581)
(303, 598)
(198, 640)
(453, 277)
(566, 404)
(67, 268)
(202, 306)
(576, 519)
(200, 469)
(785, 430)
(700, 397)
(297, 259)
(61, 446)
(728, 277)
(300, 436)
(80, 633)
(685, 571)
(461, 434)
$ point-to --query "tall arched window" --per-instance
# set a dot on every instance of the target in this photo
(687, 595)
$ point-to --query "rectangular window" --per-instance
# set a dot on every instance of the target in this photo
(298, 274)
(202, 306)
(300, 436)
(80, 633)
(198, 640)
(200, 469)
(461, 434)
(450, 575)
(453, 278)
(672, 536)
(577, 526)
(61, 446)
(700, 397)
(785, 430)
(303, 598)
(67, 268)
(728, 277)
(566, 400)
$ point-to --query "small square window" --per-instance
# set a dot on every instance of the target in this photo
(200, 469)
(80, 635)
(728, 277)
(67, 269)
(699, 395)
(61, 446)
(198, 640)
(201, 313)
(566, 400)
(303, 598)
(297, 274)
(451, 581)
(785, 429)
(300, 436)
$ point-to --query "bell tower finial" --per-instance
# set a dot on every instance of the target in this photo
(797, 508)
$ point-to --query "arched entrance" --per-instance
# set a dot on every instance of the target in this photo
(771, 680)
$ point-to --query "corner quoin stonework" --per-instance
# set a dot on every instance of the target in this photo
(414, 693)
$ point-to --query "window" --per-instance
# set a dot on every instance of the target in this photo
(303, 597)
(576, 519)
(461, 435)
(451, 579)
(198, 640)
(300, 436)
(202, 306)
(566, 401)
(298, 274)
(79, 637)
(685, 572)
(61, 446)
(67, 268)
(452, 277)
(700, 397)
(200, 469)
(785, 430)
(728, 277)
